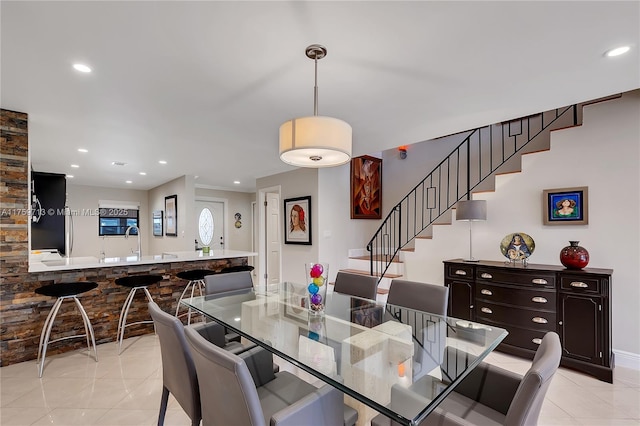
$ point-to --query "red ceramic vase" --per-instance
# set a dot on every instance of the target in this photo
(573, 256)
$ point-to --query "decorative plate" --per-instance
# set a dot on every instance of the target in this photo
(517, 246)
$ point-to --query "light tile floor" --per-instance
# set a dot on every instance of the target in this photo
(126, 389)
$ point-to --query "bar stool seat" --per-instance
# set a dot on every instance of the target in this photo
(135, 283)
(62, 292)
(196, 280)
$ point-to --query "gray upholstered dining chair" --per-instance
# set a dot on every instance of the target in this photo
(178, 371)
(491, 395)
(243, 390)
(228, 282)
(420, 296)
(358, 285)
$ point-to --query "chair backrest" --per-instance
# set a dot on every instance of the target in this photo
(526, 404)
(228, 390)
(356, 285)
(223, 283)
(178, 370)
(420, 296)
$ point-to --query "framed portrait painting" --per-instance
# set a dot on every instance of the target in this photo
(366, 187)
(297, 220)
(171, 214)
(566, 206)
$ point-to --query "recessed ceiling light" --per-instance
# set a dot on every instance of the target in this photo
(81, 68)
(237, 182)
(118, 163)
(75, 166)
(70, 176)
(82, 150)
(129, 181)
(162, 162)
(143, 173)
(617, 51)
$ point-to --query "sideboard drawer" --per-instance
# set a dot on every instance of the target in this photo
(460, 272)
(516, 316)
(523, 338)
(543, 299)
(580, 284)
(540, 279)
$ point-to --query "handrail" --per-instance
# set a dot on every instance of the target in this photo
(480, 154)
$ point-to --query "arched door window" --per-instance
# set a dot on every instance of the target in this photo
(205, 226)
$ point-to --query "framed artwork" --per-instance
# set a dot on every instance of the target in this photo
(366, 187)
(158, 225)
(171, 211)
(297, 220)
(566, 206)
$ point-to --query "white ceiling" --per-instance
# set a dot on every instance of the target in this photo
(206, 85)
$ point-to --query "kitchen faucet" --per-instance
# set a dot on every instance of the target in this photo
(126, 235)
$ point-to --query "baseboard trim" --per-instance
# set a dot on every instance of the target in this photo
(627, 359)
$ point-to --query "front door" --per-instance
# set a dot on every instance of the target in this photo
(215, 228)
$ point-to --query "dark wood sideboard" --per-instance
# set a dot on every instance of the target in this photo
(530, 300)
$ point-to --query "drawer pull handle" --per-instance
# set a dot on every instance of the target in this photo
(537, 340)
(539, 281)
(486, 275)
(460, 272)
(486, 310)
(539, 320)
(538, 299)
(487, 292)
(579, 284)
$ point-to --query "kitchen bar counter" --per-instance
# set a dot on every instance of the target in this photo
(23, 311)
(57, 263)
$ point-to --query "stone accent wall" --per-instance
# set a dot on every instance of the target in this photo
(22, 311)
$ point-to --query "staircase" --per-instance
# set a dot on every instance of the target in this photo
(471, 167)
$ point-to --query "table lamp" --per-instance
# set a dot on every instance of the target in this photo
(471, 210)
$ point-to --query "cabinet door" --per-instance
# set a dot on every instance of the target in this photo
(581, 327)
(461, 296)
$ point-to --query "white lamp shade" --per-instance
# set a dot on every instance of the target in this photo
(471, 210)
(315, 141)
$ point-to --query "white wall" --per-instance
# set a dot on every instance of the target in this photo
(297, 183)
(182, 187)
(237, 202)
(604, 155)
(86, 242)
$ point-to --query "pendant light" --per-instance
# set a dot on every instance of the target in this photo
(315, 141)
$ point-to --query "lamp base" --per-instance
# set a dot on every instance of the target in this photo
(471, 260)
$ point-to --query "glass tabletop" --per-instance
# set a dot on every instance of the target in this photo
(397, 361)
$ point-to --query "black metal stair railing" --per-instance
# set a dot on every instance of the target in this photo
(479, 156)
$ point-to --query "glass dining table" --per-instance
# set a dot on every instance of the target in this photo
(385, 358)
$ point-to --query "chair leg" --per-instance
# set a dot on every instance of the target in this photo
(48, 325)
(88, 329)
(163, 405)
(182, 296)
(123, 317)
(193, 288)
(44, 327)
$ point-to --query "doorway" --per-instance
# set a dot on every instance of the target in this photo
(216, 228)
(269, 246)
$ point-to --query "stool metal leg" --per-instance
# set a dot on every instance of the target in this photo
(123, 317)
(88, 329)
(46, 331)
(182, 296)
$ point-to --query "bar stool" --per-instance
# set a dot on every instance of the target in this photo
(135, 283)
(196, 279)
(62, 292)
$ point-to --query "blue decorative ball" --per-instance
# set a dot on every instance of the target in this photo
(313, 289)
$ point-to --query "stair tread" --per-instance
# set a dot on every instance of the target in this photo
(358, 271)
(377, 258)
(409, 249)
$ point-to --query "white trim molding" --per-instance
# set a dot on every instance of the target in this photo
(627, 359)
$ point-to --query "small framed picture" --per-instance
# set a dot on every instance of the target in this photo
(171, 211)
(297, 220)
(158, 224)
(566, 206)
